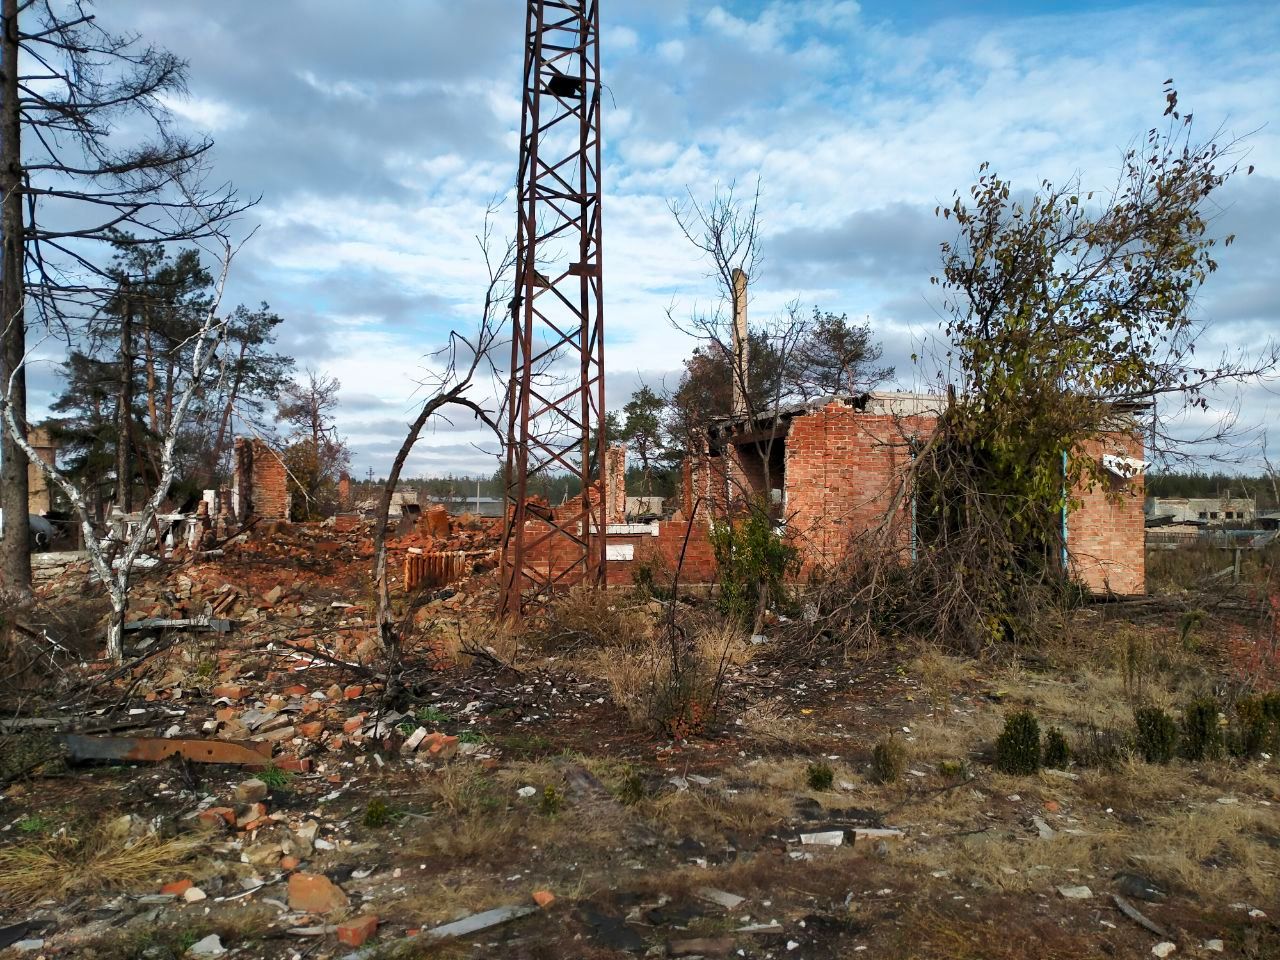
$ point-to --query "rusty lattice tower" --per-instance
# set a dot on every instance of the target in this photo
(556, 401)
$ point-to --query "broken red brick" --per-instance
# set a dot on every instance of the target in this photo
(353, 692)
(224, 714)
(295, 764)
(315, 893)
(441, 746)
(544, 898)
(1052, 806)
(355, 932)
(289, 863)
(311, 706)
(232, 691)
(311, 730)
(297, 690)
(177, 888)
(354, 723)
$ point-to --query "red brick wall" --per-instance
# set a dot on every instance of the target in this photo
(262, 483)
(843, 470)
(1105, 533)
(663, 552)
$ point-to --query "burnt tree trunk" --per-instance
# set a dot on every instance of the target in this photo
(15, 547)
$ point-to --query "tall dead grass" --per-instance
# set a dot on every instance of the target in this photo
(101, 860)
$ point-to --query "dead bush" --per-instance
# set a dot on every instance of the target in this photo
(673, 682)
(37, 641)
(589, 618)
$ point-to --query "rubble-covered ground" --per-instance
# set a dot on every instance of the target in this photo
(509, 789)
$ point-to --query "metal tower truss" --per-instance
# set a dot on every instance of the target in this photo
(556, 399)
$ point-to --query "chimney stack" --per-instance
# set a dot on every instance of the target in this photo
(741, 344)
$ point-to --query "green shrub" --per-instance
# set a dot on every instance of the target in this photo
(752, 561)
(1253, 731)
(1271, 706)
(888, 760)
(1056, 752)
(820, 776)
(1201, 736)
(1018, 746)
(378, 813)
(551, 803)
(1157, 734)
(631, 789)
(955, 769)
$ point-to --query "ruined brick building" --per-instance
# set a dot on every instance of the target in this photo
(834, 471)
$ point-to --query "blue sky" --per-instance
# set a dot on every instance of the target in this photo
(378, 139)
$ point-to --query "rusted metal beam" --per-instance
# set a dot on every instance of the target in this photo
(555, 403)
(154, 749)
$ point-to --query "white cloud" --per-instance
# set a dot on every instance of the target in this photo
(208, 114)
(843, 116)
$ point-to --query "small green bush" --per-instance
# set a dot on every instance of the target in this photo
(1018, 746)
(378, 813)
(888, 760)
(820, 776)
(752, 560)
(552, 802)
(1056, 752)
(631, 789)
(1271, 706)
(34, 824)
(1157, 734)
(1253, 731)
(955, 769)
(1201, 735)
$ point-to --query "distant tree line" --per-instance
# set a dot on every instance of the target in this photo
(1260, 487)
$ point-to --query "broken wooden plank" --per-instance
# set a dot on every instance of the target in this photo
(152, 749)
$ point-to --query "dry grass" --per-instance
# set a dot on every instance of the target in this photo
(707, 812)
(928, 934)
(103, 860)
(933, 740)
(940, 674)
(638, 666)
(722, 641)
(633, 678)
(594, 619)
(451, 640)
(773, 720)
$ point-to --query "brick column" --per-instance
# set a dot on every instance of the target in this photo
(615, 484)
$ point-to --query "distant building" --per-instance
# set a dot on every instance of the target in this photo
(1204, 511)
(476, 506)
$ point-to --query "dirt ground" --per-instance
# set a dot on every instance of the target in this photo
(646, 842)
